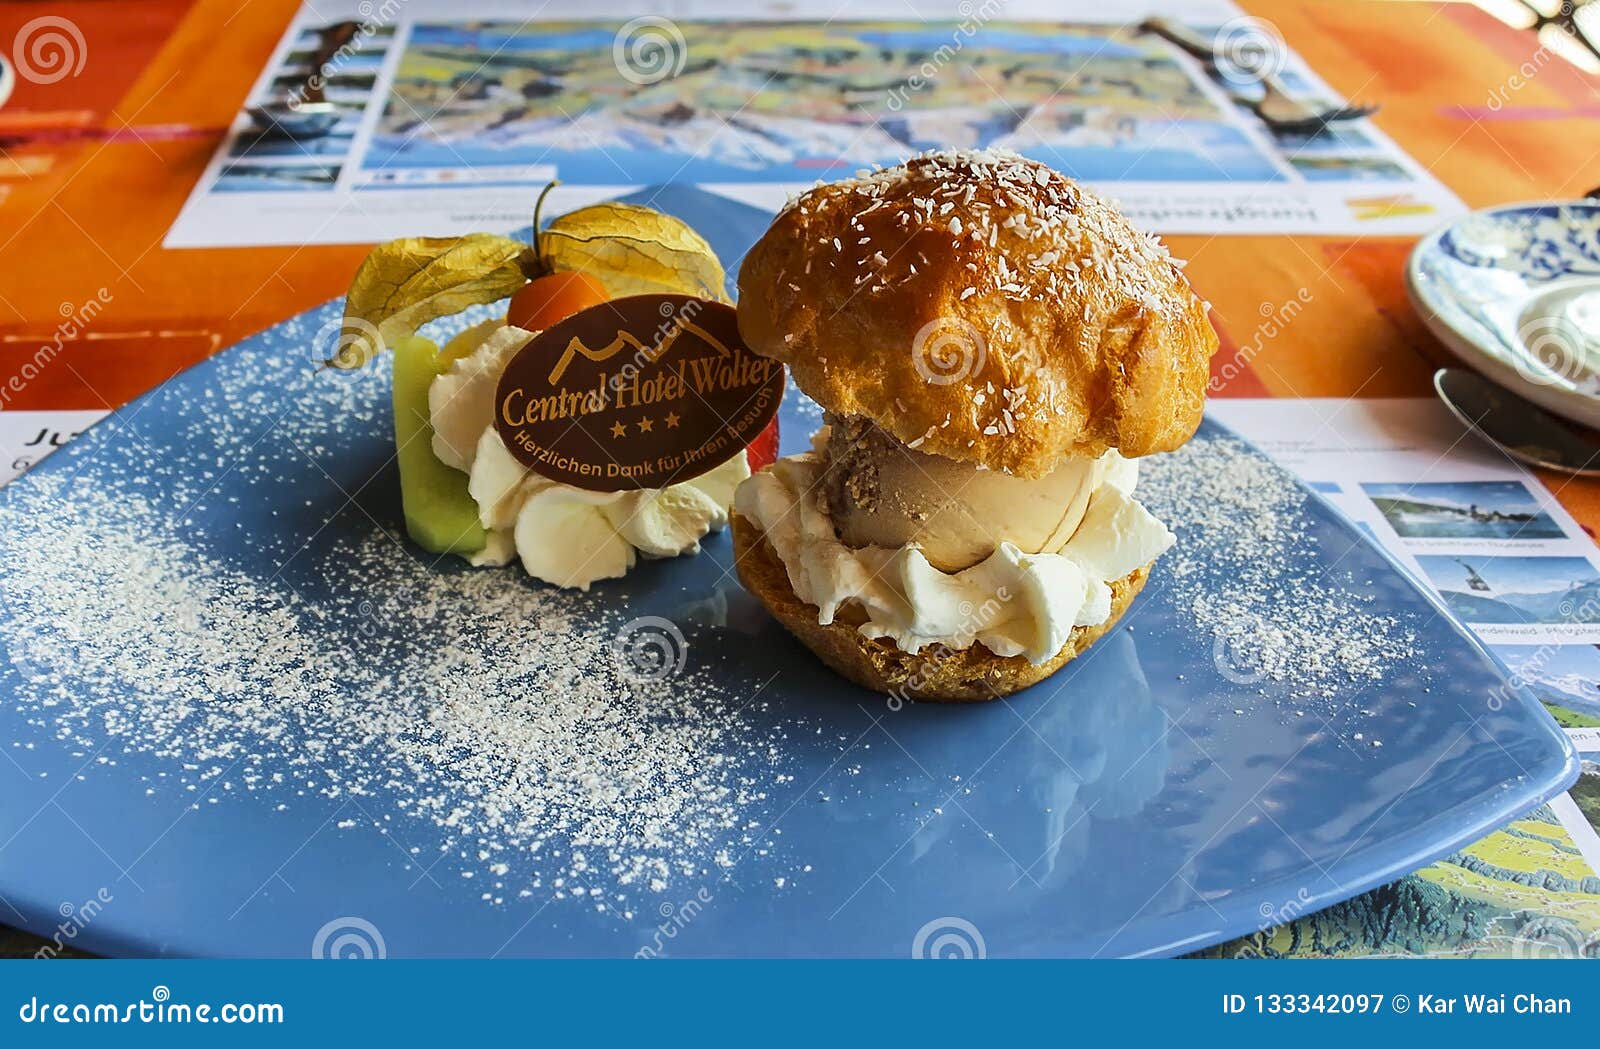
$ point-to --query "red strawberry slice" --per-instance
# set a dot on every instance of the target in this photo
(763, 451)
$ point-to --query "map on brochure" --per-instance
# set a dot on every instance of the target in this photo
(449, 116)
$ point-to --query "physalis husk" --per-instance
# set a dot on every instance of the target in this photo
(406, 283)
(634, 250)
(631, 250)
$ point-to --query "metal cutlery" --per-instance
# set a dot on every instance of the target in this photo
(1517, 426)
(1276, 108)
(1284, 114)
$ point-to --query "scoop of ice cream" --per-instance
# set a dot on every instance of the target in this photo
(882, 493)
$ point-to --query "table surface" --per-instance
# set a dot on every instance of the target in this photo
(94, 169)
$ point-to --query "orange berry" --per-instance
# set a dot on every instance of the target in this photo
(548, 300)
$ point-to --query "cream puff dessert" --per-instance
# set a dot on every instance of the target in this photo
(994, 348)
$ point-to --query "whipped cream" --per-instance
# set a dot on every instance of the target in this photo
(564, 535)
(1015, 603)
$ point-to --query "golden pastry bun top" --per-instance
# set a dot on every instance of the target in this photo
(982, 307)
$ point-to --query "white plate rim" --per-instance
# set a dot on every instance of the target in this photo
(1492, 361)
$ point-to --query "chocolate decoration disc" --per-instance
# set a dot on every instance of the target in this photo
(641, 392)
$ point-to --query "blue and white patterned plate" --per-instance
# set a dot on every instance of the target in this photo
(1515, 292)
(239, 715)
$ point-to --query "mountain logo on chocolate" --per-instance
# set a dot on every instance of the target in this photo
(641, 392)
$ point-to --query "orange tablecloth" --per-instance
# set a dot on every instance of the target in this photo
(114, 152)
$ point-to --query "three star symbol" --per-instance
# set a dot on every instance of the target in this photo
(646, 424)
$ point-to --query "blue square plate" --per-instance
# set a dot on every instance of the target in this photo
(1155, 796)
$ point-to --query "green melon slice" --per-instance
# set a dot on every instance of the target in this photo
(440, 516)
